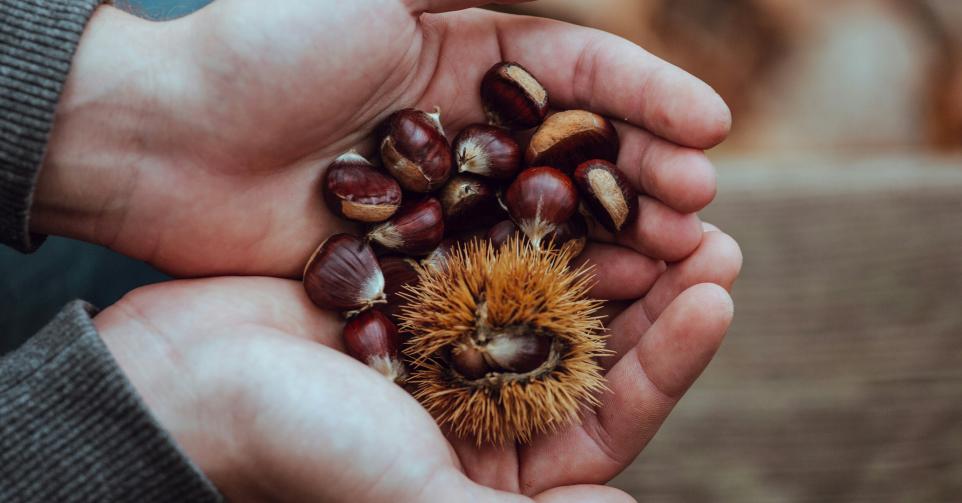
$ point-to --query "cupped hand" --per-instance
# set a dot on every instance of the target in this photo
(250, 378)
(198, 144)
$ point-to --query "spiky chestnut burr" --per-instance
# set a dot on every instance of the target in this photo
(504, 343)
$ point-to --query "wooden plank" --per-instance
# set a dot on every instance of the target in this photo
(841, 379)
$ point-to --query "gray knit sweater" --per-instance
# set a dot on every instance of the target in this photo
(72, 428)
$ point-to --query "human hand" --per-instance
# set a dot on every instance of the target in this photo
(197, 144)
(250, 378)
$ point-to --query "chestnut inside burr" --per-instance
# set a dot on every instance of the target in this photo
(491, 356)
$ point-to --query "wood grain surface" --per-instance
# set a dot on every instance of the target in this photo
(841, 378)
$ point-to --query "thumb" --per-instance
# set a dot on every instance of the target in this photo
(418, 7)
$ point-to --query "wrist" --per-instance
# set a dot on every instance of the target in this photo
(100, 130)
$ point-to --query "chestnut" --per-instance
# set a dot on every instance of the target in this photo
(399, 272)
(540, 200)
(468, 202)
(343, 275)
(609, 196)
(439, 256)
(355, 190)
(488, 151)
(512, 97)
(574, 233)
(501, 232)
(372, 338)
(415, 150)
(567, 139)
(512, 350)
(415, 229)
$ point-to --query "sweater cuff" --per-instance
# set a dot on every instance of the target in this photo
(38, 39)
(74, 429)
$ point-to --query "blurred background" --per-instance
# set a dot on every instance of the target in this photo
(841, 379)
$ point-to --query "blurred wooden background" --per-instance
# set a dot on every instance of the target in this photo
(841, 378)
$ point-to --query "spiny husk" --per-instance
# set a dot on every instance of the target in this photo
(519, 285)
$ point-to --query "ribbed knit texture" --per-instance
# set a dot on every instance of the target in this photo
(72, 428)
(38, 39)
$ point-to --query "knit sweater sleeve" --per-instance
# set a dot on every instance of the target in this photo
(38, 39)
(72, 428)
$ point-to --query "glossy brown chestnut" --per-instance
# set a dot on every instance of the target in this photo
(511, 350)
(607, 193)
(469, 202)
(343, 275)
(372, 338)
(574, 233)
(415, 229)
(487, 151)
(355, 190)
(540, 200)
(415, 150)
(439, 256)
(501, 232)
(399, 272)
(567, 139)
(512, 97)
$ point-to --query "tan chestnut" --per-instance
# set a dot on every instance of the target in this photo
(607, 193)
(415, 150)
(512, 97)
(355, 190)
(469, 202)
(343, 275)
(415, 229)
(567, 139)
(487, 151)
(540, 200)
(371, 337)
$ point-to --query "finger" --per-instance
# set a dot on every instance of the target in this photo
(418, 7)
(659, 232)
(644, 386)
(717, 260)
(586, 493)
(682, 178)
(620, 273)
(594, 70)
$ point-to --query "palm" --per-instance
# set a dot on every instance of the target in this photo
(310, 420)
(281, 90)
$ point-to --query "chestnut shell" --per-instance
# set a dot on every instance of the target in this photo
(567, 139)
(343, 275)
(607, 193)
(512, 97)
(415, 150)
(355, 190)
(487, 151)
